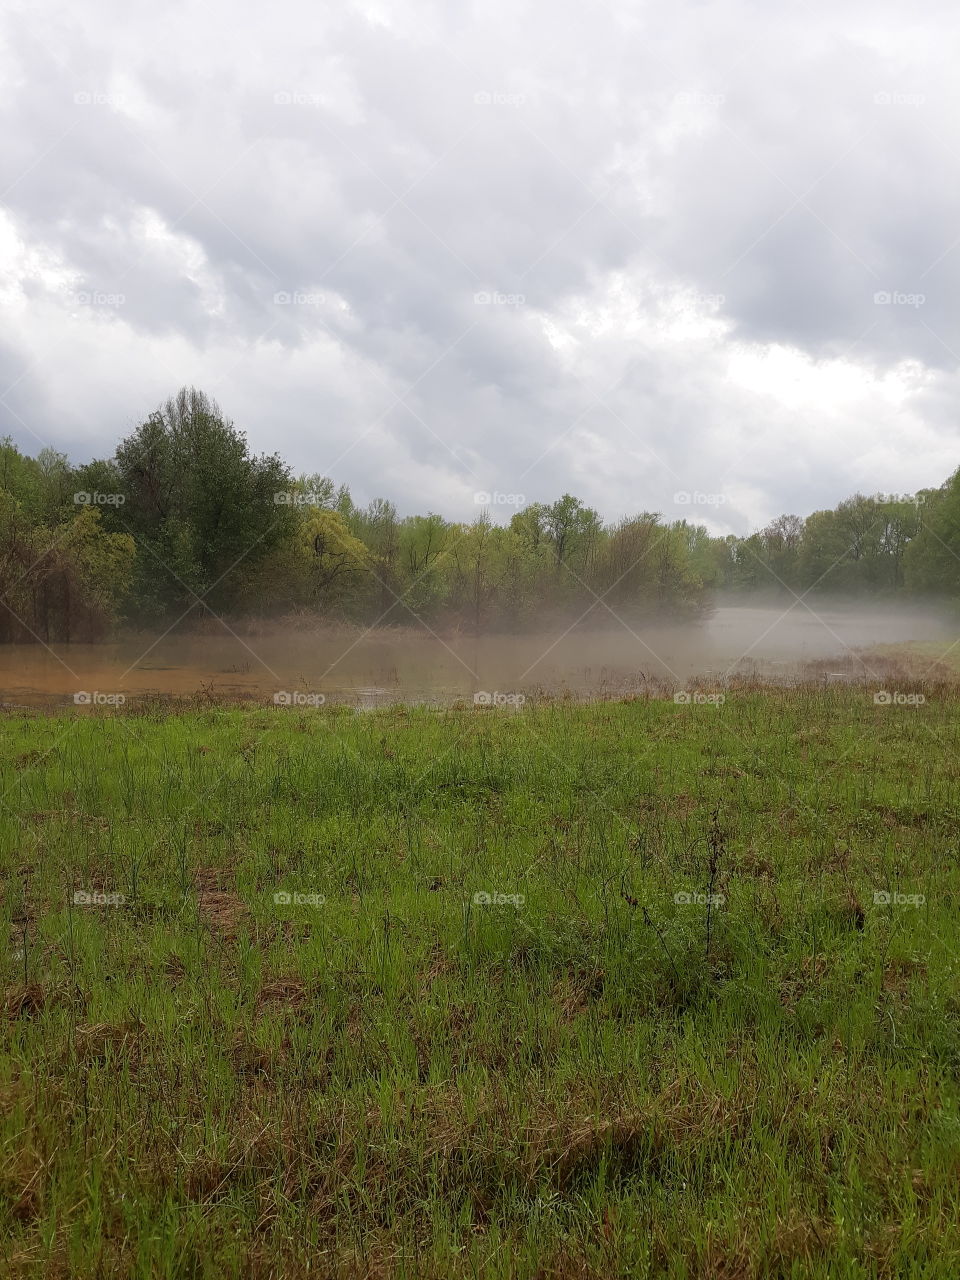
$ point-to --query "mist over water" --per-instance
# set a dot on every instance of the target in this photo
(344, 664)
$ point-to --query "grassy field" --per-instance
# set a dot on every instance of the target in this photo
(579, 1073)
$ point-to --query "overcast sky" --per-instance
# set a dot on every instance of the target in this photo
(628, 251)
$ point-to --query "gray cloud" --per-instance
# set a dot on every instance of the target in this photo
(682, 227)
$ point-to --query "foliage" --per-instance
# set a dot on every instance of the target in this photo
(184, 521)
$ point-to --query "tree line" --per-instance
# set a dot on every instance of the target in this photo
(183, 521)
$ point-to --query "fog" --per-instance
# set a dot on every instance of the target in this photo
(770, 642)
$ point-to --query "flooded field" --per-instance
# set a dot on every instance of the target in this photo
(371, 667)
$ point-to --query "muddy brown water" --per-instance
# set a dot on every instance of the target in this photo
(368, 668)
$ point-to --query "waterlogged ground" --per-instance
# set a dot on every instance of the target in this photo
(381, 666)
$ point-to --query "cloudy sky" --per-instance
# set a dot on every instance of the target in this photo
(627, 250)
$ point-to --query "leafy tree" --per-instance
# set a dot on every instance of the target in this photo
(20, 477)
(204, 512)
(480, 569)
(571, 527)
(423, 543)
(336, 558)
(932, 559)
(59, 583)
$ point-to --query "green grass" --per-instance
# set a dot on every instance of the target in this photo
(599, 1082)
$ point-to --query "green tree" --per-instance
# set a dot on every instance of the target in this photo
(204, 512)
(931, 562)
(572, 528)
